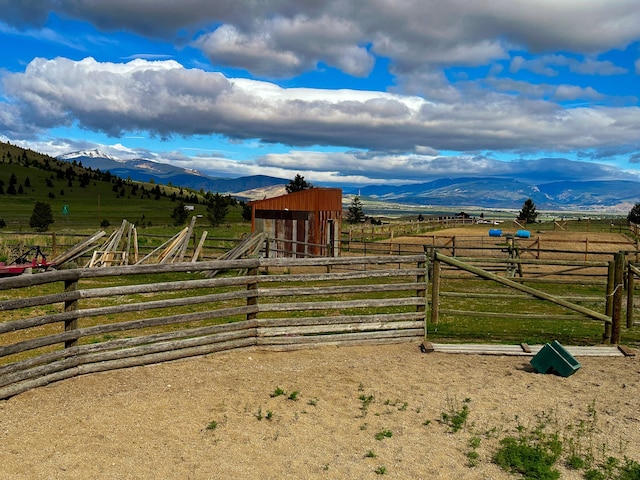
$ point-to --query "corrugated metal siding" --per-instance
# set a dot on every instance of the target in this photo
(312, 200)
(301, 217)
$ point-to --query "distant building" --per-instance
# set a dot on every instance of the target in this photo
(304, 223)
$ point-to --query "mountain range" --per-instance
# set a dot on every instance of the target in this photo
(143, 170)
(553, 184)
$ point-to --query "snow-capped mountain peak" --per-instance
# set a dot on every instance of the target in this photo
(95, 153)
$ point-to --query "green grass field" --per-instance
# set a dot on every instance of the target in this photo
(89, 204)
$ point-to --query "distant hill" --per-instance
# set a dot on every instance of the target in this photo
(143, 170)
(553, 184)
(510, 193)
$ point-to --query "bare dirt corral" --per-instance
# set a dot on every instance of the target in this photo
(151, 422)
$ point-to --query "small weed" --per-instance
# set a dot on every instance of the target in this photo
(576, 462)
(613, 469)
(472, 458)
(426, 423)
(455, 419)
(472, 455)
(313, 402)
(212, 425)
(293, 395)
(533, 454)
(277, 392)
(370, 454)
(364, 426)
(383, 434)
(381, 470)
(269, 415)
(366, 401)
(259, 415)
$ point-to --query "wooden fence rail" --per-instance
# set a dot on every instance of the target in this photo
(619, 276)
(65, 323)
(458, 245)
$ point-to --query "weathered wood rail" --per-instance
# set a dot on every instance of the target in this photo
(464, 245)
(65, 323)
(614, 277)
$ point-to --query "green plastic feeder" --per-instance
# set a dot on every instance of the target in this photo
(554, 358)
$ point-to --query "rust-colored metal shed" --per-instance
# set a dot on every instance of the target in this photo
(304, 223)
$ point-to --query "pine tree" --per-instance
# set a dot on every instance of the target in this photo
(634, 214)
(41, 217)
(216, 210)
(528, 212)
(356, 213)
(179, 215)
(297, 184)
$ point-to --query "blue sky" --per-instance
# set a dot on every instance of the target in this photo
(346, 92)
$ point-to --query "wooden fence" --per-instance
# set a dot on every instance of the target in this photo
(65, 323)
(468, 245)
(370, 232)
(613, 276)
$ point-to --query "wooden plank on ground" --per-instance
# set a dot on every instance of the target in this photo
(517, 350)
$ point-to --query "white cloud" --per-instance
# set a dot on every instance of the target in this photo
(414, 34)
(165, 99)
(550, 65)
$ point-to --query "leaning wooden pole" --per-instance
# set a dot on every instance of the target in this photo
(523, 288)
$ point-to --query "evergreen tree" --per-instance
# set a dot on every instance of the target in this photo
(634, 214)
(179, 214)
(247, 211)
(41, 217)
(528, 212)
(216, 210)
(298, 184)
(356, 213)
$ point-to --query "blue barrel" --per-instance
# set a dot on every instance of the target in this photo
(523, 234)
(495, 232)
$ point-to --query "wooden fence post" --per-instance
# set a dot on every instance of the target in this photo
(71, 306)
(610, 274)
(435, 287)
(422, 293)
(630, 287)
(54, 246)
(252, 292)
(586, 249)
(616, 316)
(606, 337)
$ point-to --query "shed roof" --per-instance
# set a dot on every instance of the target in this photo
(310, 200)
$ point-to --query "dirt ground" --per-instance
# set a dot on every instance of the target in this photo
(151, 422)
